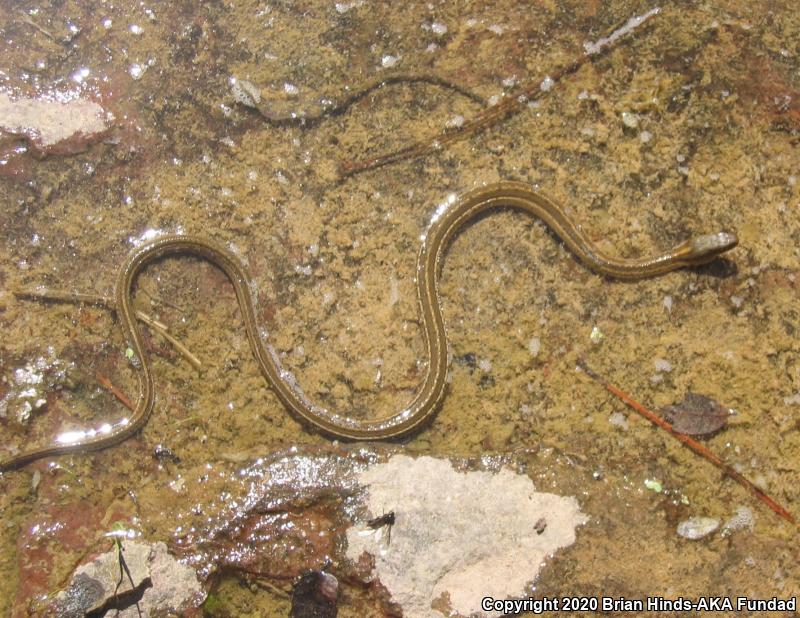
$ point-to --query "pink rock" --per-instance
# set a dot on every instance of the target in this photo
(56, 124)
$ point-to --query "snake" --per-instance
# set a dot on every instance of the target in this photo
(449, 218)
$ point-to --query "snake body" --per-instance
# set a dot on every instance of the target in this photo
(446, 223)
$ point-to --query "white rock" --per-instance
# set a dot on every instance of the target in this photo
(174, 586)
(696, 528)
(388, 61)
(464, 535)
(49, 122)
(618, 419)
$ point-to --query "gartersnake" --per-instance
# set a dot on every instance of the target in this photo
(446, 222)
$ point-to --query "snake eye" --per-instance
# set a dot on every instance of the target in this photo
(706, 247)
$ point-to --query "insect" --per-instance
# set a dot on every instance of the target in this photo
(387, 520)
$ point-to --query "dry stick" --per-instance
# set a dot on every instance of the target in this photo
(108, 303)
(161, 329)
(511, 105)
(691, 443)
(274, 589)
(46, 294)
(42, 294)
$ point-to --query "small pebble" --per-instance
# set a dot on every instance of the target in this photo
(245, 92)
(696, 528)
(630, 120)
(793, 400)
(743, 519)
(662, 365)
(136, 70)
(618, 419)
(654, 485)
(455, 122)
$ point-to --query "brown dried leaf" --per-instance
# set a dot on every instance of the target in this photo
(696, 415)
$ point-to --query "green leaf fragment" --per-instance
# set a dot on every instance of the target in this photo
(653, 485)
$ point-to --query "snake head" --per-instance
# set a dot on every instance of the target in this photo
(704, 248)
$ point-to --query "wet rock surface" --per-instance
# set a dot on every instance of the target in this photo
(26, 387)
(453, 532)
(687, 127)
(276, 518)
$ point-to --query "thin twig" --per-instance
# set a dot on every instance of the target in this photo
(512, 104)
(24, 17)
(333, 107)
(151, 321)
(688, 441)
(163, 301)
(276, 590)
(162, 330)
(115, 391)
(46, 294)
(62, 296)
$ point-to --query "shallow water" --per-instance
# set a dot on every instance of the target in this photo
(688, 125)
